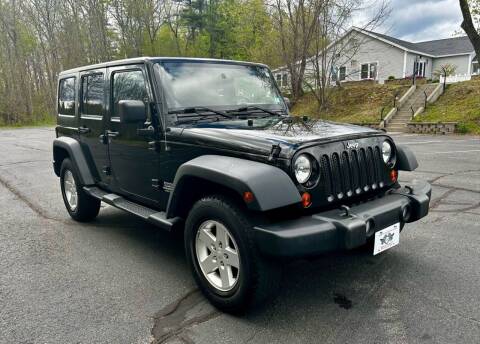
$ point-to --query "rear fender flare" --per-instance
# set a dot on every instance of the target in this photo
(75, 153)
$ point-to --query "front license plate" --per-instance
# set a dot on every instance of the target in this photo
(386, 238)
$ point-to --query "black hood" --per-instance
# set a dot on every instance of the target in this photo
(289, 135)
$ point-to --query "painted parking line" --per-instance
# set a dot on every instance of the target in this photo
(451, 152)
(441, 141)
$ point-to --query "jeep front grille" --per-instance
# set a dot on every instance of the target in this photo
(352, 172)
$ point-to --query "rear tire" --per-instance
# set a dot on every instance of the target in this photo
(218, 238)
(81, 206)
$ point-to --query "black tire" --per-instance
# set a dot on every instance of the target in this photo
(258, 278)
(87, 206)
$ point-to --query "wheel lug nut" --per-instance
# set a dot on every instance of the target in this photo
(225, 256)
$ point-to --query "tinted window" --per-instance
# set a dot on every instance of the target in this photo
(92, 91)
(66, 97)
(129, 85)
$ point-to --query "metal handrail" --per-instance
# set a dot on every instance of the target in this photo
(395, 96)
(413, 113)
(426, 97)
(381, 113)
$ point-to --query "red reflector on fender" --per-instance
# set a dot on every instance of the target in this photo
(248, 197)
(306, 200)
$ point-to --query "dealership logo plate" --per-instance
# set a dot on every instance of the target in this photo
(386, 238)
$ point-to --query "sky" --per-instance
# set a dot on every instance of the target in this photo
(422, 20)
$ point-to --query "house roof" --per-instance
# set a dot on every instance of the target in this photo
(449, 46)
(440, 47)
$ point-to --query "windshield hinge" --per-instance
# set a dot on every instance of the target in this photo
(275, 152)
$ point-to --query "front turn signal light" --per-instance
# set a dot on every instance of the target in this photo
(306, 200)
(394, 175)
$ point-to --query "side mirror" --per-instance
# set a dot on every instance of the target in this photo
(287, 103)
(132, 111)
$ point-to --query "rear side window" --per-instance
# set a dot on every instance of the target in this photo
(128, 85)
(66, 97)
(92, 94)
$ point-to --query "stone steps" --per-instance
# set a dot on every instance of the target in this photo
(404, 113)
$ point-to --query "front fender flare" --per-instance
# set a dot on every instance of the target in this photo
(272, 188)
(406, 160)
(75, 153)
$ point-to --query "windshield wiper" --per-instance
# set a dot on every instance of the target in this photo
(254, 107)
(201, 111)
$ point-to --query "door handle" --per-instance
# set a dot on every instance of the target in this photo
(104, 138)
(146, 132)
(112, 133)
(84, 130)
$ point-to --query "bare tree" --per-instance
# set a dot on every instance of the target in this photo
(333, 48)
(297, 22)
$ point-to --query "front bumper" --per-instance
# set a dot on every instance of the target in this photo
(342, 229)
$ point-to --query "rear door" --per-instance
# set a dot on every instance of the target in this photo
(92, 122)
(133, 161)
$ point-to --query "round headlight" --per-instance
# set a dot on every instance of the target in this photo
(386, 151)
(303, 168)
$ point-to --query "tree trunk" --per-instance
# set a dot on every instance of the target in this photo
(469, 27)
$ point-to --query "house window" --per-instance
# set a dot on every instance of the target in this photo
(279, 79)
(475, 68)
(282, 79)
(368, 71)
(285, 80)
(342, 73)
(420, 68)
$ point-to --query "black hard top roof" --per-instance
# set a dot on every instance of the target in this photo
(137, 60)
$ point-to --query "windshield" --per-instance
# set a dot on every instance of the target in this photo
(222, 85)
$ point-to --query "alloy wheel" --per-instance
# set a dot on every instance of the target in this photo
(217, 254)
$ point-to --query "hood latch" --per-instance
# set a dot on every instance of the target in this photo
(275, 152)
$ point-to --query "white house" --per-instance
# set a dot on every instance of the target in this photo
(377, 56)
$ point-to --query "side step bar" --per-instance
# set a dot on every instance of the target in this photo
(151, 215)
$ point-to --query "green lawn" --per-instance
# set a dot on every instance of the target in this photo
(460, 103)
(360, 103)
(44, 122)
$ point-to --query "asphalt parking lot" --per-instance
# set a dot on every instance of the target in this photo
(120, 280)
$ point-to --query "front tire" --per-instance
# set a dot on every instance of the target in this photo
(81, 206)
(223, 257)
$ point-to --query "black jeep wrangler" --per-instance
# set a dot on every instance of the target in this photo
(207, 148)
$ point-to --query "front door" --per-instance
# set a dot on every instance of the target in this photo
(92, 123)
(133, 162)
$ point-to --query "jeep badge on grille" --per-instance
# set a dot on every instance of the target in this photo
(352, 145)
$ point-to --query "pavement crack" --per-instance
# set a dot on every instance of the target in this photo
(22, 162)
(31, 148)
(190, 310)
(439, 200)
(443, 175)
(35, 208)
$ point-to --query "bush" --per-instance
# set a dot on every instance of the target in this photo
(391, 77)
(462, 128)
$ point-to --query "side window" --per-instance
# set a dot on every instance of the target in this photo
(66, 97)
(128, 85)
(92, 94)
